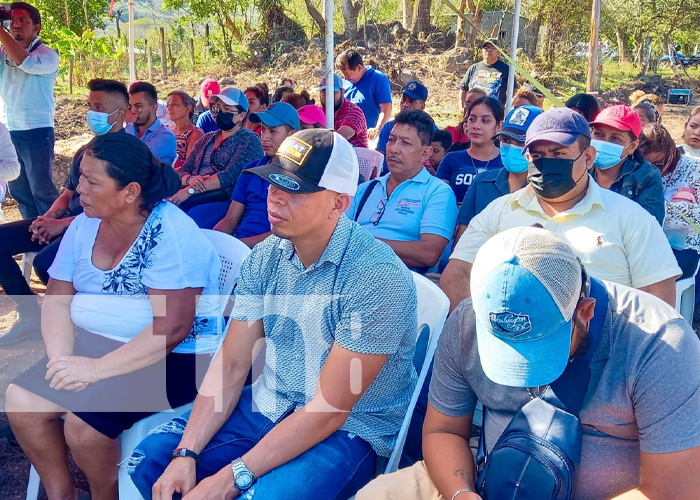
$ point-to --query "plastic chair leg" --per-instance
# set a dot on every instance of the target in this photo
(33, 484)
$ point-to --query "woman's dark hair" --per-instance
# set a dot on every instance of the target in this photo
(280, 92)
(298, 100)
(493, 104)
(260, 92)
(649, 110)
(421, 121)
(586, 104)
(444, 138)
(129, 160)
(657, 139)
(187, 100)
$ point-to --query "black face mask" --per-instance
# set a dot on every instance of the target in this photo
(551, 178)
(225, 120)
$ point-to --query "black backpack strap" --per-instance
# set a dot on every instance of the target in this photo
(569, 390)
(365, 197)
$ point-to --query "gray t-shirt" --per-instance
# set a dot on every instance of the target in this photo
(644, 393)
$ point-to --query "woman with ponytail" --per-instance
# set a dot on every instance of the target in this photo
(133, 291)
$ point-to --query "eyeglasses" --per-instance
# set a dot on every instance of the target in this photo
(216, 107)
(378, 216)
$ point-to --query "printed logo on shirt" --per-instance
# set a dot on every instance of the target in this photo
(285, 182)
(295, 150)
(490, 81)
(509, 323)
(407, 202)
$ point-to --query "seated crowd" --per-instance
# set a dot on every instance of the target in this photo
(557, 235)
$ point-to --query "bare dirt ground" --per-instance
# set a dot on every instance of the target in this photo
(71, 133)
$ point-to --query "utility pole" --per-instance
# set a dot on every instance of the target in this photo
(593, 49)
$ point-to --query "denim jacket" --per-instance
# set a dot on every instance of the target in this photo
(640, 181)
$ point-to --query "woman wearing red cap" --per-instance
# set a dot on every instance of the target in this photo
(619, 166)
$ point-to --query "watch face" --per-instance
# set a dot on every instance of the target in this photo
(191, 191)
(244, 480)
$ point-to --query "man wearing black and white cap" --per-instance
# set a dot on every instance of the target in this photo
(338, 311)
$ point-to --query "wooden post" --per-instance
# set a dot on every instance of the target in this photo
(149, 58)
(70, 76)
(206, 33)
(163, 59)
(593, 49)
(170, 56)
(190, 45)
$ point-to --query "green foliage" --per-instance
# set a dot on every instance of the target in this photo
(54, 16)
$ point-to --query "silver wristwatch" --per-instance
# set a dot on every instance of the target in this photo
(191, 191)
(243, 479)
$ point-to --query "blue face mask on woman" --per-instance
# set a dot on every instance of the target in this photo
(513, 159)
(608, 154)
(99, 122)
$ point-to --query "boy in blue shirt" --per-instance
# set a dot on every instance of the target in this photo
(370, 90)
(246, 218)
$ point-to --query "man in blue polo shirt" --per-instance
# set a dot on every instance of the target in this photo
(246, 218)
(143, 104)
(408, 209)
(413, 97)
(370, 90)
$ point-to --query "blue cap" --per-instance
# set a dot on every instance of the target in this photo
(518, 122)
(525, 286)
(232, 96)
(561, 125)
(337, 83)
(277, 114)
(416, 90)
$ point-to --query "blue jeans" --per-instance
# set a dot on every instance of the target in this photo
(334, 469)
(34, 189)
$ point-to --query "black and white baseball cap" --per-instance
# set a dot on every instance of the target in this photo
(310, 161)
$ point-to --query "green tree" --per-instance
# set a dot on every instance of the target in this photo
(78, 17)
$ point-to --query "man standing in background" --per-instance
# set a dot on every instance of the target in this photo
(27, 76)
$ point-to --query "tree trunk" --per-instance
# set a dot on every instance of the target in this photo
(421, 17)
(87, 16)
(65, 4)
(621, 46)
(536, 25)
(163, 55)
(460, 23)
(316, 16)
(406, 11)
(475, 15)
(351, 9)
(119, 30)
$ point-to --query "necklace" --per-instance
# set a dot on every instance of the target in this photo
(474, 166)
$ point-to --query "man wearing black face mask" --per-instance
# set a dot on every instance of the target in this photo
(615, 238)
(211, 170)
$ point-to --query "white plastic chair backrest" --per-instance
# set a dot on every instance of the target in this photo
(232, 252)
(370, 163)
(433, 306)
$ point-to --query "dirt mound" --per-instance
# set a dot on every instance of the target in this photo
(71, 113)
(652, 84)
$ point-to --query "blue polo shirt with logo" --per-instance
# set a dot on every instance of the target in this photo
(369, 92)
(251, 191)
(420, 205)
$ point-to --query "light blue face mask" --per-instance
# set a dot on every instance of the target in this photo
(99, 122)
(513, 159)
(608, 154)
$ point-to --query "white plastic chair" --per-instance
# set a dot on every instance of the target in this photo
(433, 306)
(685, 296)
(370, 163)
(232, 252)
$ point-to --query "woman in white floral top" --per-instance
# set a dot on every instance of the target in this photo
(680, 178)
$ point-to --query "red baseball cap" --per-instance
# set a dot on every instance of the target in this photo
(311, 114)
(620, 117)
(209, 88)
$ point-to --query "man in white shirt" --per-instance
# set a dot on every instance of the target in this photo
(28, 72)
(615, 238)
